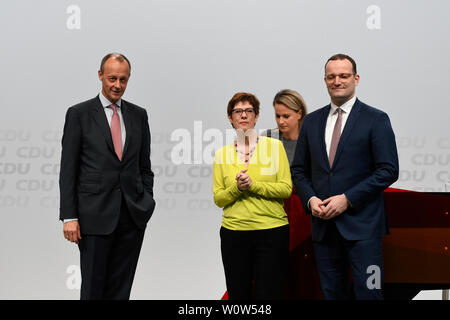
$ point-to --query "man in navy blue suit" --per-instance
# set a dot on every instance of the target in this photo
(345, 157)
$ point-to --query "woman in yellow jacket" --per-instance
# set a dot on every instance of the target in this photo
(250, 181)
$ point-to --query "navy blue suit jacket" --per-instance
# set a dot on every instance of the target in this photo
(366, 163)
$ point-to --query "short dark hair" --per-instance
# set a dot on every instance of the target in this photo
(117, 56)
(341, 56)
(243, 97)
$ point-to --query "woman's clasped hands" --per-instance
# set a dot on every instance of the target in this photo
(243, 180)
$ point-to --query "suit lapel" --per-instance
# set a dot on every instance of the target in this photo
(127, 115)
(322, 126)
(349, 125)
(100, 118)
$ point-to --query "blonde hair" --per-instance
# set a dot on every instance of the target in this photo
(291, 99)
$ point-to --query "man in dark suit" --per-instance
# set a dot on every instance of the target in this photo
(106, 183)
(345, 157)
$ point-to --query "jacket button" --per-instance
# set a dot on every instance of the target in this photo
(118, 189)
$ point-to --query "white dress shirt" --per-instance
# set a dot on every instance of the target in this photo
(332, 118)
(109, 113)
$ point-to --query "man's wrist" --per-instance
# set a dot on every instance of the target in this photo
(308, 204)
(349, 204)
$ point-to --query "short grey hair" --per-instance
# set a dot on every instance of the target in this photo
(117, 56)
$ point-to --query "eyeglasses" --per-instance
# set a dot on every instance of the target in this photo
(247, 111)
(343, 76)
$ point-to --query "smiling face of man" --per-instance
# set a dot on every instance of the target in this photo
(114, 78)
(341, 80)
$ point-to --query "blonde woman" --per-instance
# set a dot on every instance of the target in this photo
(290, 109)
(303, 278)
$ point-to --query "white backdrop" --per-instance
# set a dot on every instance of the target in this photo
(188, 58)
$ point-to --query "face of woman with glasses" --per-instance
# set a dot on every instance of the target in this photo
(243, 116)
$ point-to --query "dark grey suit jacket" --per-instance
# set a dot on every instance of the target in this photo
(93, 181)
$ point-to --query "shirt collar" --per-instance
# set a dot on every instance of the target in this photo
(106, 103)
(346, 107)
